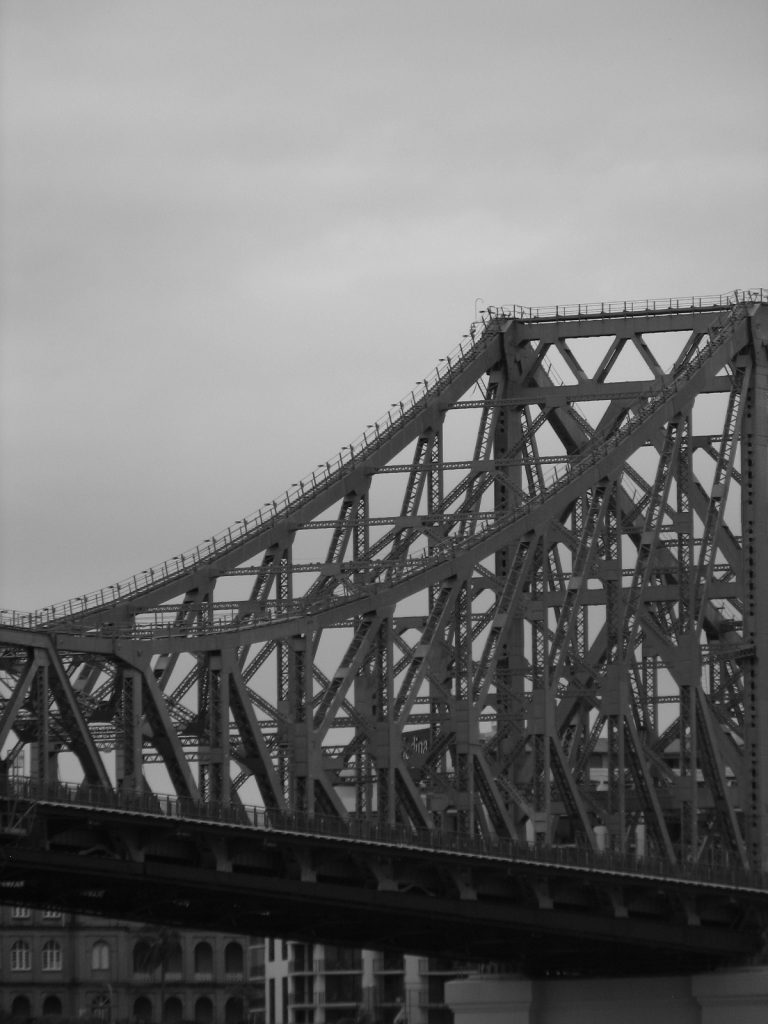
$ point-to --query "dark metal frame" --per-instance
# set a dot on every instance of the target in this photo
(496, 612)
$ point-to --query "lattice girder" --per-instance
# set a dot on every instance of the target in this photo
(517, 607)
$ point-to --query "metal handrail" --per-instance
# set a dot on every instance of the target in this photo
(718, 871)
(641, 307)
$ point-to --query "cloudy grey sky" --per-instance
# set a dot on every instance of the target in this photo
(234, 232)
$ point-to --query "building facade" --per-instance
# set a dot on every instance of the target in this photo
(55, 965)
(306, 984)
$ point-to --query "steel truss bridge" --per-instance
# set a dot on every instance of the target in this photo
(490, 683)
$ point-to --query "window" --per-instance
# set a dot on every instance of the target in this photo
(234, 1010)
(51, 960)
(173, 1010)
(21, 913)
(101, 1006)
(21, 959)
(204, 959)
(21, 1008)
(51, 915)
(203, 1011)
(174, 964)
(142, 1010)
(163, 950)
(233, 959)
(141, 957)
(100, 957)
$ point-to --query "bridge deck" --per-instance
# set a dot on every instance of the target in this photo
(365, 884)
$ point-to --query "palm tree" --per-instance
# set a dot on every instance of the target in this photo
(158, 945)
(247, 993)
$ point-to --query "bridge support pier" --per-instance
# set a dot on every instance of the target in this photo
(738, 996)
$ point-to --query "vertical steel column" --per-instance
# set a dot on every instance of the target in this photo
(214, 718)
(128, 755)
(615, 680)
(463, 723)
(435, 495)
(512, 666)
(688, 644)
(387, 735)
(580, 648)
(361, 535)
(541, 723)
(511, 663)
(203, 697)
(282, 602)
(688, 641)
(300, 710)
(754, 511)
(581, 634)
(366, 680)
(40, 749)
(434, 498)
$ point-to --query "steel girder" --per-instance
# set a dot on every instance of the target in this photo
(527, 603)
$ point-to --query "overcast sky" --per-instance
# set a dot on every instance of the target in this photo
(234, 232)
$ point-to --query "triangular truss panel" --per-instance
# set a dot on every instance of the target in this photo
(528, 602)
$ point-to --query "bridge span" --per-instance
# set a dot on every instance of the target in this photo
(495, 674)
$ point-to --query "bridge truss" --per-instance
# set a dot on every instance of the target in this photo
(529, 603)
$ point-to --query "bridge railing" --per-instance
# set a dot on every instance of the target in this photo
(639, 307)
(718, 869)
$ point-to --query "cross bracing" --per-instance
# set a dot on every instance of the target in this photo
(526, 604)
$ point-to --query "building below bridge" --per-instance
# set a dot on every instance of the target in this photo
(55, 965)
(65, 966)
(306, 984)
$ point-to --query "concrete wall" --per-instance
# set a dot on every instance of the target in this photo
(727, 997)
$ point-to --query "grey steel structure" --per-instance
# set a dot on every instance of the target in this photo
(530, 602)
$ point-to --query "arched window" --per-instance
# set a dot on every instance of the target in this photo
(100, 956)
(101, 1006)
(21, 958)
(141, 957)
(156, 951)
(21, 1007)
(234, 1010)
(142, 1009)
(173, 1011)
(174, 963)
(51, 959)
(52, 1006)
(233, 958)
(204, 1011)
(203, 958)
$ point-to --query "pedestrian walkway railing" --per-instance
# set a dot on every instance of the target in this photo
(718, 869)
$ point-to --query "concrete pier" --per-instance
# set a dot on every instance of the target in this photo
(724, 997)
